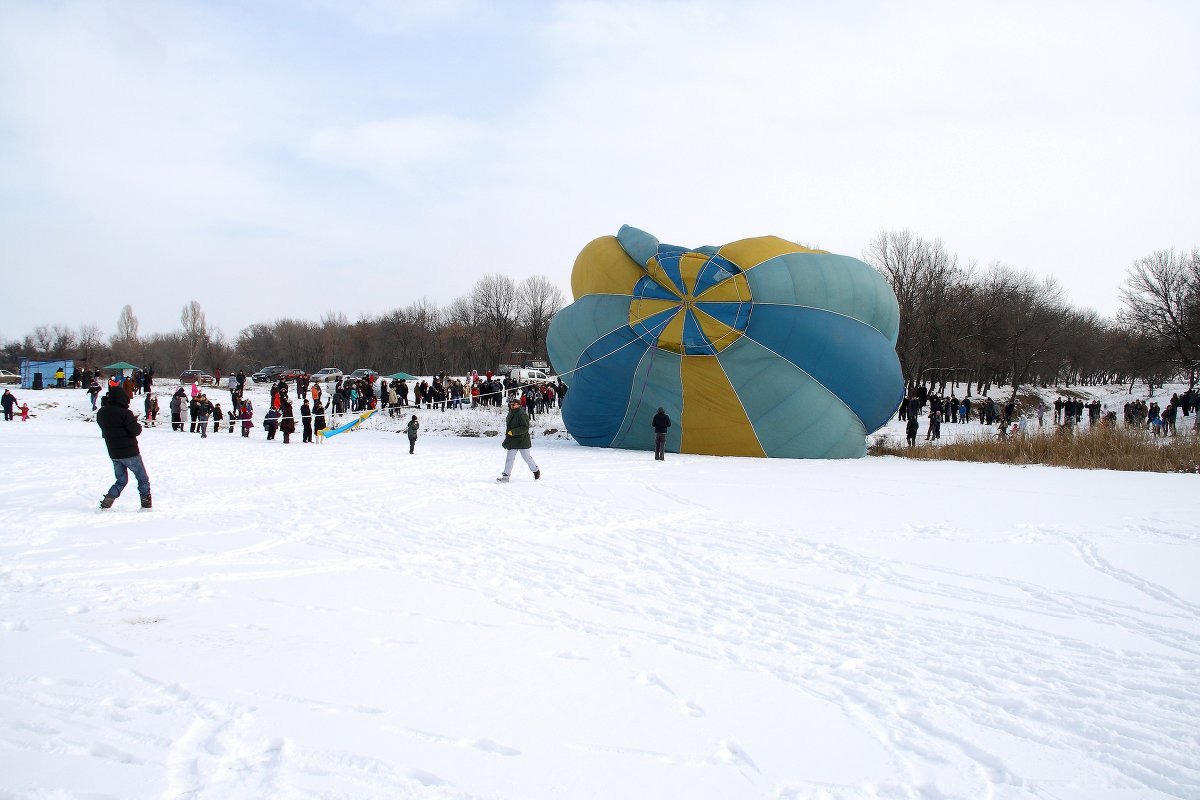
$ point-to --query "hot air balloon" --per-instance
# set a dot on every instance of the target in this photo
(761, 347)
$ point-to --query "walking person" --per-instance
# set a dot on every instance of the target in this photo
(516, 440)
(412, 428)
(94, 392)
(660, 423)
(8, 402)
(120, 430)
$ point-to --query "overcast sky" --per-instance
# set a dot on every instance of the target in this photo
(297, 157)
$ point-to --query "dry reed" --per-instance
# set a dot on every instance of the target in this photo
(1100, 447)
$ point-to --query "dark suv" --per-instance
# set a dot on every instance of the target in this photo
(267, 374)
(196, 376)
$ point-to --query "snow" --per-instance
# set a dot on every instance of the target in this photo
(348, 620)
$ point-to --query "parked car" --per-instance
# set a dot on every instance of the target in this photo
(190, 376)
(268, 374)
(363, 374)
(290, 374)
(9, 377)
(531, 376)
(330, 374)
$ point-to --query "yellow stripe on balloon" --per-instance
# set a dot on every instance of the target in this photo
(645, 307)
(749, 253)
(689, 267)
(713, 420)
(603, 267)
(720, 334)
(730, 290)
(671, 337)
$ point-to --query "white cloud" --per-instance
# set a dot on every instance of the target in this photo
(186, 138)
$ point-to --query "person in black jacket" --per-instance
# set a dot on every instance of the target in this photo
(120, 429)
(660, 424)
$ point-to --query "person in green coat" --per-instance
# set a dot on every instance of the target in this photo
(516, 440)
(412, 428)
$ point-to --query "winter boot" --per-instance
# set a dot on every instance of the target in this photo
(537, 474)
(145, 501)
(503, 479)
(107, 501)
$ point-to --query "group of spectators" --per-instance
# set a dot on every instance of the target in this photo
(1068, 412)
(191, 407)
(1162, 421)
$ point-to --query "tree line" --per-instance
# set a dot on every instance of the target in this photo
(1003, 326)
(479, 330)
(959, 323)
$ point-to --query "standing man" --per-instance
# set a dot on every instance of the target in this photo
(516, 440)
(412, 428)
(306, 420)
(120, 429)
(660, 424)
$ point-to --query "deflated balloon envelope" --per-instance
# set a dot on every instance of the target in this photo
(760, 347)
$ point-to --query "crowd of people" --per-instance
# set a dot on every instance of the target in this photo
(314, 404)
(1068, 412)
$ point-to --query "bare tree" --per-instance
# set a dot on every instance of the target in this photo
(931, 289)
(195, 331)
(540, 299)
(1023, 338)
(63, 341)
(496, 308)
(43, 340)
(1162, 300)
(90, 342)
(127, 325)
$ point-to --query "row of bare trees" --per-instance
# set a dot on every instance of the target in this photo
(477, 331)
(999, 325)
(958, 323)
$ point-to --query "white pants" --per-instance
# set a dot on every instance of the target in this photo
(512, 457)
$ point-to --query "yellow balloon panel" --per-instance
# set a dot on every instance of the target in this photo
(714, 421)
(749, 253)
(603, 267)
(718, 333)
(671, 337)
(731, 290)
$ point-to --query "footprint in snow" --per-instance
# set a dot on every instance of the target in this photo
(731, 753)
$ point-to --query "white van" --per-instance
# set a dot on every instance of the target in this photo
(530, 376)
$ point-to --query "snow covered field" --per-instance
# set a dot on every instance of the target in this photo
(348, 621)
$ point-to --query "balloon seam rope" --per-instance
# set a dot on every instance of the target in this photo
(829, 391)
(823, 311)
(614, 352)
